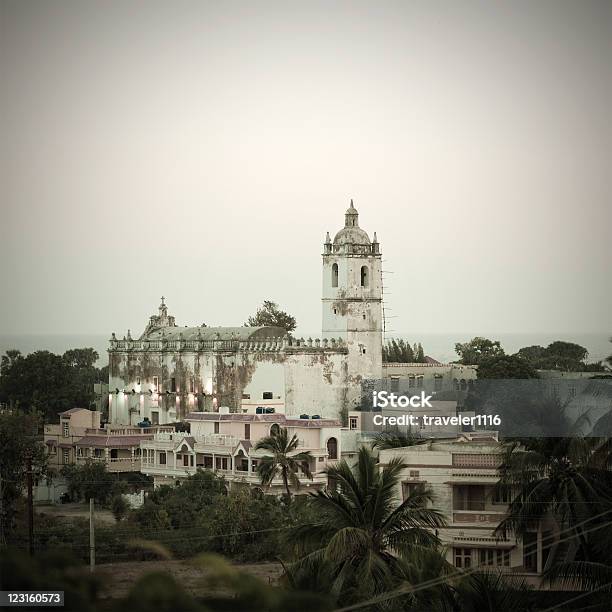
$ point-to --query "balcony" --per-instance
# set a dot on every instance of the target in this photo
(488, 518)
(231, 475)
(120, 464)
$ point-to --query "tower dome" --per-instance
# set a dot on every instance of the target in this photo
(351, 233)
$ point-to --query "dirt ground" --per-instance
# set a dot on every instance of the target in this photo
(118, 578)
(71, 511)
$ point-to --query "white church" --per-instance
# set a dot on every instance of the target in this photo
(171, 371)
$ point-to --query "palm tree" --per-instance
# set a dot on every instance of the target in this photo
(566, 478)
(356, 547)
(385, 440)
(284, 460)
(491, 591)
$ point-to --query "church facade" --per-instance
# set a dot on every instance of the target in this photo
(171, 371)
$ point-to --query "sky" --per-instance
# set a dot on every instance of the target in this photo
(201, 150)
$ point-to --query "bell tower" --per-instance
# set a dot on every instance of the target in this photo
(352, 295)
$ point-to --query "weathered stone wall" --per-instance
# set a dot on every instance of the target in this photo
(301, 379)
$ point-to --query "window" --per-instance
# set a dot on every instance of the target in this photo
(468, 497)
(408, 488)
(246, 396)
(364, 317)
(275, 429)
(173, 385)
(221, 463)
(155, 417)
(335, 311)
(394, 383)
(65, 456)
(353, 423)
(419, 382)
(216, 427)
(501, 495)
(414, 473)
(66, 429)
(437, 382)
(463, 557)
(530, 551)
(334, 275)
(494, 556)
(162, 458)
(364, 276)
(191, 384)
(548, 540)
(268, 395)
(411, 382)
(247, 431)
(155, 383)
(332, 448)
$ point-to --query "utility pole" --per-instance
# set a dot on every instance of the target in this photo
(30, 502)
(92, 537)
(2, 540)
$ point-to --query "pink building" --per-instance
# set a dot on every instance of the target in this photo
(79, 437)
(226, 443)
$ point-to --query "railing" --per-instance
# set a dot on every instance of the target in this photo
(115, 464)
(266, 344)
(206, 439)
(473, 460)
(128, 431)
(470, 516)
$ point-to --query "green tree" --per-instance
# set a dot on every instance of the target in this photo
(251, 524)
(420, 354)
(506, 366)
(81, 357)
(119, 507)
(284, 461)
(92, 480)
(491, 591)
(8, 360)
(385, 440)
(477, 350)
(569, 478)
(397, 351)
(558, 355)
(271, 315)
(357, 546)
(48, 382)
(186, 504)
(19, 439)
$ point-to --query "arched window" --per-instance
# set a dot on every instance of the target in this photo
(332, 448)
(335, 275)
(364, 276)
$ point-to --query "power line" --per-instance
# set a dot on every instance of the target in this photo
(436, 581)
